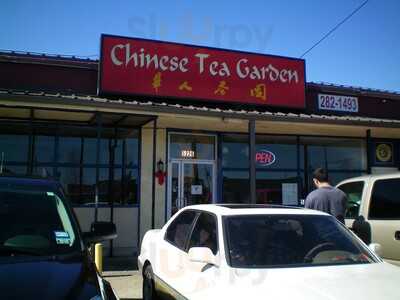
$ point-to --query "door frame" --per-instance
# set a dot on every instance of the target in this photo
(182, 162)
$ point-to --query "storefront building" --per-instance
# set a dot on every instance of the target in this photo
(143, 153)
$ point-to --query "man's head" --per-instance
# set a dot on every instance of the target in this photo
(320, 177)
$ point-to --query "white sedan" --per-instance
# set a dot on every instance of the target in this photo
(254, 252)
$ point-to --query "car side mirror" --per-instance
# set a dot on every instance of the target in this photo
(100, 231)
(376, 248)
(202, 255)
(362, 229)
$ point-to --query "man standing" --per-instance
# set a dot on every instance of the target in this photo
(326, 198)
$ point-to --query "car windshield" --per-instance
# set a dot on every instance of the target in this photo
(262, 241)
(35, 223)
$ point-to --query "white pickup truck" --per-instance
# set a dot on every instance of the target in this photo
(377, 199)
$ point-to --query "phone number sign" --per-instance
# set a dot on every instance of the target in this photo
(337, 103)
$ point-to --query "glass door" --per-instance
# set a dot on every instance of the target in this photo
(197, 183)
(191, 183)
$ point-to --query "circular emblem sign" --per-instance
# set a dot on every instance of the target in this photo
(384, 152)
(265, 157)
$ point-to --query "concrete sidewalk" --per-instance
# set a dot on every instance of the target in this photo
(122, 273)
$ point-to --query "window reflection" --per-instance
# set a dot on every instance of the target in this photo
(132, 152)
(70, 180)
(44, 149)
(12, 169)
(335, 153)
(69, 154)
(130, 187)
(236, 187)
(69, 150)
(277, 188)
(235, 151)
(14, 148)
(90, 151)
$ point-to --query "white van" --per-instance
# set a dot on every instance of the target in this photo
(377, 199)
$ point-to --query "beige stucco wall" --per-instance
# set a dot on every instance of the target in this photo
(160, 203)
(126, 220)
(146, 180)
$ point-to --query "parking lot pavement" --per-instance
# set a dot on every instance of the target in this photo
(126, 284)
(123, 276)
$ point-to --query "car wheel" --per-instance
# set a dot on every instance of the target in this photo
(149, 292)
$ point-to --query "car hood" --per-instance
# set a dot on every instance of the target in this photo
(38, 278)
(352, 282)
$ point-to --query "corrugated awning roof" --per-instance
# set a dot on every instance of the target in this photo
(163, 107)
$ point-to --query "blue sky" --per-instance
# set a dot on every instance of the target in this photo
(365, 51)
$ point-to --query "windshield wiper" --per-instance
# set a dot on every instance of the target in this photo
(13, 251)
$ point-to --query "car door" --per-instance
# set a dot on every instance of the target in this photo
(202, 276)
(384, 216)
(172, 255)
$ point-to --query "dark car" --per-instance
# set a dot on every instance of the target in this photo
(43, 253)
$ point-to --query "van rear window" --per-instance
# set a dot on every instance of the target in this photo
(385, 199)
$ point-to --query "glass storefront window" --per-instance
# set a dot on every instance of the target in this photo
(12, 169)
(335, 153)
(235, 151)
(44, 149)
(192, 146)
(68, 154)
(130, 187)
(118, 146)
(236, 188)
(132, 151)
(69, 150)
(277, 188)
(70, 180)
(90, 150)
(283, 148)
(13, 148)
(276, 182)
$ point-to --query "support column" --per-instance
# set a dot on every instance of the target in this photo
(153, 193)
(98, 129)
(252, 161)
(369, 146)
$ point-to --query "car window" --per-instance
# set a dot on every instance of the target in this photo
(353, 191)
(205, 233)
(385, 199)
(38, 222)
(178, 231)
(261, 241)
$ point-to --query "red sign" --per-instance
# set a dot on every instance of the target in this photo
(131, 66)
(265, 157)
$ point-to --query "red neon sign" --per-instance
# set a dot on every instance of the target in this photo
(265, 157)
(131, 66)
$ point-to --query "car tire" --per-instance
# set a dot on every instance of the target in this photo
(149, 291)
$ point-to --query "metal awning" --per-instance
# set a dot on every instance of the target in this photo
(83, 117)
(152, 107)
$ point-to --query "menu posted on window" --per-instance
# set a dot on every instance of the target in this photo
(290, 194)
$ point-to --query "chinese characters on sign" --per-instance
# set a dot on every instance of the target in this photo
(144, 67)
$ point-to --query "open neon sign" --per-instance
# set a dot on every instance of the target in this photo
(265, 157)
